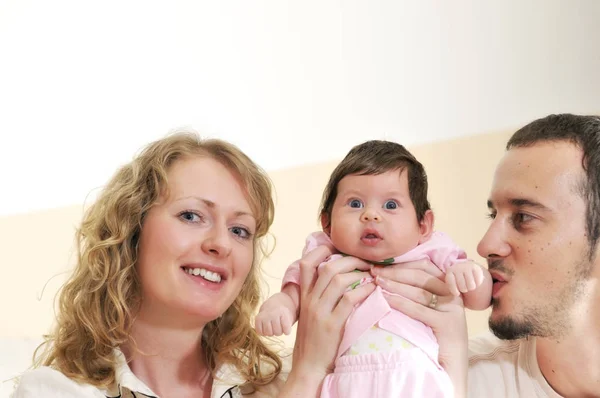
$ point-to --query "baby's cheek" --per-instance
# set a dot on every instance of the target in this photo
(339, 237)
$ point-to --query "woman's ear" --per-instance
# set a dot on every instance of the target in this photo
(325, 224)
(426, 226)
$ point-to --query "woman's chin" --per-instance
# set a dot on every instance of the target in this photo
(203, 315)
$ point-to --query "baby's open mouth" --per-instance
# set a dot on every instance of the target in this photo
(370, 237)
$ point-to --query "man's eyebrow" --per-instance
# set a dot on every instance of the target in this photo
(521, 202)
(527, 203)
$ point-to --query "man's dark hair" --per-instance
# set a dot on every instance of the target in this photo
(584, 132)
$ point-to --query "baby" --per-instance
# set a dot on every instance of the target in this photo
(375, 207)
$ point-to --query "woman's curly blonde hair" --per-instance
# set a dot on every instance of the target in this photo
(98, 304)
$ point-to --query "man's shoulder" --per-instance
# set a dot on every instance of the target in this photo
(503, 368)
(492, 362)
(488, 348)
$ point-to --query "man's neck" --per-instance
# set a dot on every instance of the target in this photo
(571, 363)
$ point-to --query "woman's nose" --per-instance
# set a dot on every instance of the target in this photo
(217, 242)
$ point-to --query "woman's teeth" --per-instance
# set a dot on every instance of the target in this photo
(208, 275)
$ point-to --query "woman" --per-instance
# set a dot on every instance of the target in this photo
(167, 279)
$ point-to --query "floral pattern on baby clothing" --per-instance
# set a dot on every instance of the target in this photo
(377, 340)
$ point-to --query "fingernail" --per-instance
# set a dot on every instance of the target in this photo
(380, 281)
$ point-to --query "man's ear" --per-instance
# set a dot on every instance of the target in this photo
(426, 226)
(325, 224)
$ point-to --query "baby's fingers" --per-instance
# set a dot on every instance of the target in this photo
(460, 282)
(470, 282)
(266, 328)
(276, 327)
(286, 324)
(478, 276)
(451, 283)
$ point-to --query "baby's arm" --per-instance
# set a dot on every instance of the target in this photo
(279, 312)
(473, 281)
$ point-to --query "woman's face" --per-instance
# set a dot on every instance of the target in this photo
(196, 245)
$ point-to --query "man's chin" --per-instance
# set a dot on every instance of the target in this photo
(508, 328)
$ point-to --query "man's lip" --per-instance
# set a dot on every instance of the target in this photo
(497, 277)
(218, 270)
(497, 288)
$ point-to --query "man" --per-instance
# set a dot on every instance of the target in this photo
(542, 251)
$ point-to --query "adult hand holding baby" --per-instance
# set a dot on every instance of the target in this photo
(419, 291)
(325, 304)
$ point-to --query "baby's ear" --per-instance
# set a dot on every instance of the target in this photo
(325, 224)
(426, 226)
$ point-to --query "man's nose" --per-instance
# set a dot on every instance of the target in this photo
(494, 243)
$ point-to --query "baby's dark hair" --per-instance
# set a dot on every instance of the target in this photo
(377, 157)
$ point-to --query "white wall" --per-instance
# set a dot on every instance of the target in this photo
(83, 85)
(290, 82)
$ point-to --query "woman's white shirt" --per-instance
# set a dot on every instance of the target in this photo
(50, 383)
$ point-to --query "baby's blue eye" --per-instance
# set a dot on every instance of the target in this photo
(391, 205)
(355, 203)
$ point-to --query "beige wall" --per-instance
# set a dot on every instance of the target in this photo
(37, 247)
(460, 173)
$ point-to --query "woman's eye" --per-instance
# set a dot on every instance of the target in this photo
(190, 216)
(355, 204)
(241, 232)
(391, 205)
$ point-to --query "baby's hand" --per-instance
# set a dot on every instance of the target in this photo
(276, 316)
(464, 277)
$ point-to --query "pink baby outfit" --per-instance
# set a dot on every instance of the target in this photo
(412, 371)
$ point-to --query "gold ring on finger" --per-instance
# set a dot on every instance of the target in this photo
(434, 300)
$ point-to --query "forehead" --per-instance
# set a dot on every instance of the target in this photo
(202, 176)
(392, 180)
(549, 173)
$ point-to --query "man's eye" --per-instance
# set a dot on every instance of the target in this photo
(521, 218)
(355, 204)
(391, 205)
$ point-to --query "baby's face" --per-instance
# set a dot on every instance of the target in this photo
(373, 217)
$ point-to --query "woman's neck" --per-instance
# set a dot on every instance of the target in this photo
(168, 359)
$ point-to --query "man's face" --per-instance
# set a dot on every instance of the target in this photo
(536, 244)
